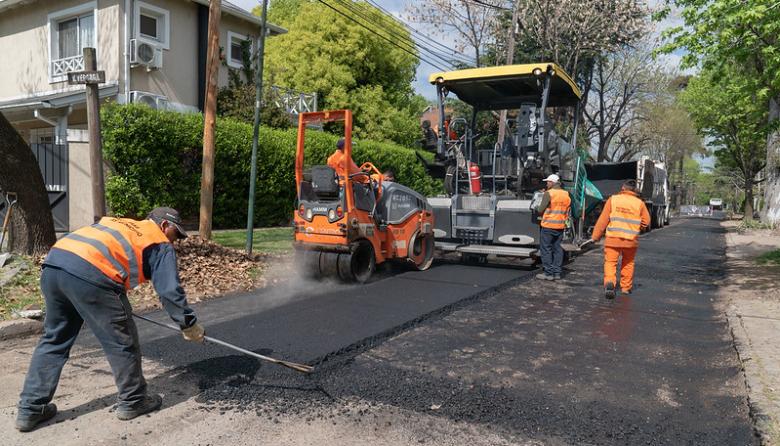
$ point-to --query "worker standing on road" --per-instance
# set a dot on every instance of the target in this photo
(85, 278)
(623, 218)
(554, 207)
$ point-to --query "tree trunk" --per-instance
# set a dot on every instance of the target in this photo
(748, 210)
(31, 223)
(772, 189)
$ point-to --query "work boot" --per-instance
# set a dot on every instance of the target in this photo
(150, 403)
(609, 290)
(26, 423)
(557, 276)
(544, 276)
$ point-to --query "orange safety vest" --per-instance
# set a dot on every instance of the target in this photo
(625, 218)
(336, 162)
(556, 213)
(115, 246)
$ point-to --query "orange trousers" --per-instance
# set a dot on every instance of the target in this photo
(611, 256)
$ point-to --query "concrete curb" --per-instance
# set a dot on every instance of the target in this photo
(762, 422)
(18, 328)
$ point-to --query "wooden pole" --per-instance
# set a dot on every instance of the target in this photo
(95, 139)
(209, 121)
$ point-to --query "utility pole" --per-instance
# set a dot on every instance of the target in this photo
(510, 57)
(250, 219)
(209, 122)
(93, 124)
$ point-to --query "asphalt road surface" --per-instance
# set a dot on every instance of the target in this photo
(463, 355)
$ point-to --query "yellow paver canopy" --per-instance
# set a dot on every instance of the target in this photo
(509, 86)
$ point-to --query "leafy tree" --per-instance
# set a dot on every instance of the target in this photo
(728, 108)
(720, 34)
(619, 83)
(347, 65)
(470, 23)
(237, 99)
(573, 32)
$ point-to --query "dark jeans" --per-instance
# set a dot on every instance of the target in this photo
(551, 251)
(70, 302)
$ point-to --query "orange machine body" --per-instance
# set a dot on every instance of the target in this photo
(345, 222)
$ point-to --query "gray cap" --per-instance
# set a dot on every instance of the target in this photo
(168, 214)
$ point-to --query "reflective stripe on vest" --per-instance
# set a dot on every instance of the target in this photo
(625, 218)
(115, 246)
(556, 213)
(132, 260)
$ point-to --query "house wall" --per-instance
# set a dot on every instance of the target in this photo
(24, 46)
(235, 25)
(178, 77)
(79, 182)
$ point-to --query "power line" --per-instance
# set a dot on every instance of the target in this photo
(347, 16)
(356, 10)
(468, 59)
(488, 5)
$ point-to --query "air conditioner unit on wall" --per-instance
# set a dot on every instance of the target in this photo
(146, 54)
(152, 100)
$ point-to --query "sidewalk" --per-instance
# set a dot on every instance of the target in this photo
(752, 299)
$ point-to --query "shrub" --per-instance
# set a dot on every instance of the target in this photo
(156, 161)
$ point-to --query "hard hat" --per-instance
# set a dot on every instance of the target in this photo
(554, 178)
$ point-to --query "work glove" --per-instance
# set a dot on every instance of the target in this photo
(194, 333)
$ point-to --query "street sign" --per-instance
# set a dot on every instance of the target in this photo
(86, 77)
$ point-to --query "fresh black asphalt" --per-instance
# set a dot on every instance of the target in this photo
(554, 363)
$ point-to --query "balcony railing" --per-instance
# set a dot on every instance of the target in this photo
(61, 67)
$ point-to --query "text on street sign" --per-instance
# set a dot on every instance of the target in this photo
(86, 77)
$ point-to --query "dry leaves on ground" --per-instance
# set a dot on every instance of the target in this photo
(207, 270)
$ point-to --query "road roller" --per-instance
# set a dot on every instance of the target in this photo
(348, 221)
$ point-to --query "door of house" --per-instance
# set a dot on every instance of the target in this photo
(53, 162)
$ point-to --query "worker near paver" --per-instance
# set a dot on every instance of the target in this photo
(554, 207)
(623, 218)
(336, 162)
(388, 175)
(85, 278)
(430, 140)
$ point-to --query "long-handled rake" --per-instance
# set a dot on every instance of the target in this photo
(295, 366)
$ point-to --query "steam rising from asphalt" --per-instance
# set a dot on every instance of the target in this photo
(288, 282)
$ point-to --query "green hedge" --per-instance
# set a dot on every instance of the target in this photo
(155, 158)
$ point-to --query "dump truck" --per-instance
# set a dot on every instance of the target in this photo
(651, 178)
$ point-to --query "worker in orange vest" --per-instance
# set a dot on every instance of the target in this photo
(84, 279)
(343, 167)
(623, 218)
(554, 207)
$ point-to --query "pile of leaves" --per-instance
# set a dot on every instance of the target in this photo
(207, 269)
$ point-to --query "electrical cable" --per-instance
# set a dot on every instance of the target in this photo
(354, 9)
(468, 59)
(390, 41)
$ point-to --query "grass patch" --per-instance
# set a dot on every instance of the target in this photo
(265, 240)
(24, 288)
(769, 258)
(748, 225)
